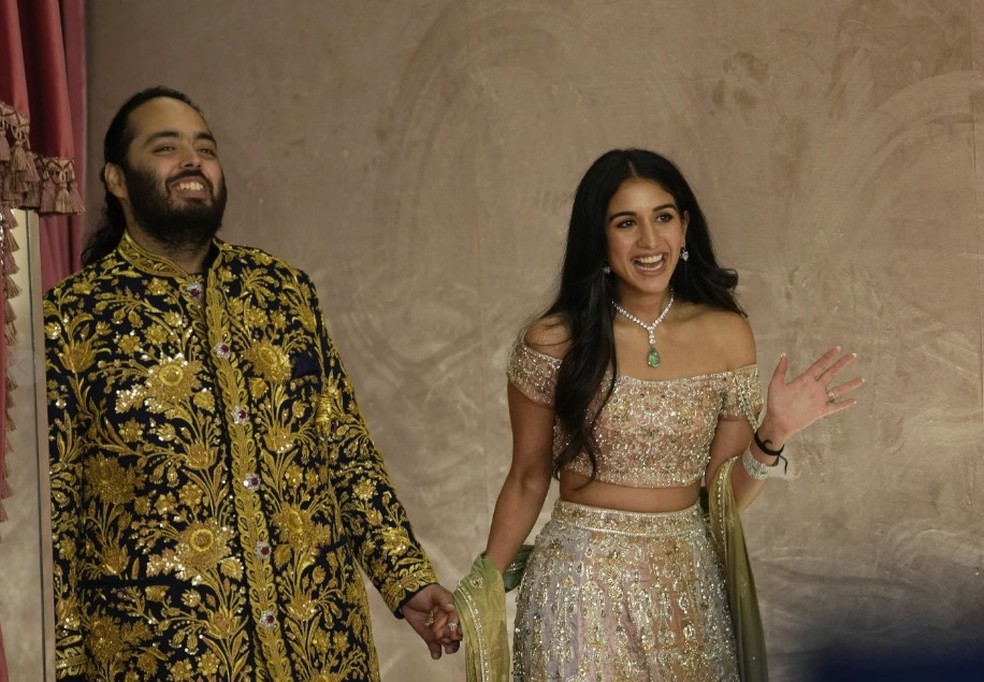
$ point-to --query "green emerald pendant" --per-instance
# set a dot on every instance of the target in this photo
(653, 358)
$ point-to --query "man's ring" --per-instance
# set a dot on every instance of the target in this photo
(831, 398)
(452, 626)
(429, 621)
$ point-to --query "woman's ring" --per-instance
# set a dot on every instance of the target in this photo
(452, 626)
(831, 398)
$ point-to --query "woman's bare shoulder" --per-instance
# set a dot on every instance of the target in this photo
(729, 332)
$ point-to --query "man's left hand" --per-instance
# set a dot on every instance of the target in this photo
(434, 604)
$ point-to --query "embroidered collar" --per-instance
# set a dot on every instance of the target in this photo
(159, 266)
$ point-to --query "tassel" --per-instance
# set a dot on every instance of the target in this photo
(8, 237)
(5, 199)
(17, 183)
(32, 195)
(11, 286)
(33, 176)
(18, 157)
(63, 200)
(60, 195)
(69, 200)
(4, 145)
(47, 204)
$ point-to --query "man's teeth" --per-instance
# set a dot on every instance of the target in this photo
(191, 186)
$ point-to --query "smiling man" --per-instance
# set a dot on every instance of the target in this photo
(215, 489)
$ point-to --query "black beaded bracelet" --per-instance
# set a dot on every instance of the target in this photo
(764, 448)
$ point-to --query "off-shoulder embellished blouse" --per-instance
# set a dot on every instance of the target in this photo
(650, 434)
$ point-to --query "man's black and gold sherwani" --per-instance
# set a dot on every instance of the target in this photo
(214, 487)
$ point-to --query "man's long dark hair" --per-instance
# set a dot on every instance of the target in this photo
(584, 299)
(119, 135)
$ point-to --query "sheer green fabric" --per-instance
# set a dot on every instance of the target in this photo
(480, 600)
(730, 540)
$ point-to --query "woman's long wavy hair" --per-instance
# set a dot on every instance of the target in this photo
(585, 295)
(119, 135)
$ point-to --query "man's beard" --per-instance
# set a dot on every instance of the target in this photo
(188, 226)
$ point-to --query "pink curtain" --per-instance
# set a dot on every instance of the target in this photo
(61, 235)
(42, 77)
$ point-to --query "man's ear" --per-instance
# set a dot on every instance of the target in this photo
(115, 181)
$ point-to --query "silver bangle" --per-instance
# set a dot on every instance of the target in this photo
(755, 468)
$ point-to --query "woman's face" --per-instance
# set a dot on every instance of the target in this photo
(644, 231)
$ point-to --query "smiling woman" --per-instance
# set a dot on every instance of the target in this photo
(645, 232)
(629, 580)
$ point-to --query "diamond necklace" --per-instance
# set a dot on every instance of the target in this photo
(652, 357)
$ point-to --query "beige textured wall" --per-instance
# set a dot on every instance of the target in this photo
(418, 160)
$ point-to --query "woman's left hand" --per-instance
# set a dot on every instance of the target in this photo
(809, 397)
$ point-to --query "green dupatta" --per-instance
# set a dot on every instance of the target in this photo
(480, 600)
(730, 541)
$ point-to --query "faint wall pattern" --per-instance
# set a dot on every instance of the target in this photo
(418, 160)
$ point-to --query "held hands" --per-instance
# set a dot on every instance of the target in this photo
(816, 393)
(424, 610)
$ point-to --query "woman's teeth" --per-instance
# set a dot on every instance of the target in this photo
(650, 262)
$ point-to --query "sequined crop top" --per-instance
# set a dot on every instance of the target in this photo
(650, 434)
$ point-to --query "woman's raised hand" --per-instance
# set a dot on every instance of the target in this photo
(816, 393)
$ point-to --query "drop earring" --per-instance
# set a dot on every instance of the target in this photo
(606, 269)
(684, 254)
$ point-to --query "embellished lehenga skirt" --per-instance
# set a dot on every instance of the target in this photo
(613, 596)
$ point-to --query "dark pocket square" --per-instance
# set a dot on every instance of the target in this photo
(305, 365)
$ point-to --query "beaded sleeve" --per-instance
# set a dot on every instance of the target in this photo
(743, 398)
(533, 373)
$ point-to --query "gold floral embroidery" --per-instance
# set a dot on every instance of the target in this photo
(395, 540)
(298, 529)
(200, 547)
(199, 456)
(78, 357)
(364, 490)
(109, 481)
(200, 526)
(129, 343)
(271, 362)
(172, 382)
(158, 287)
(205, 400)
(157, 334)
